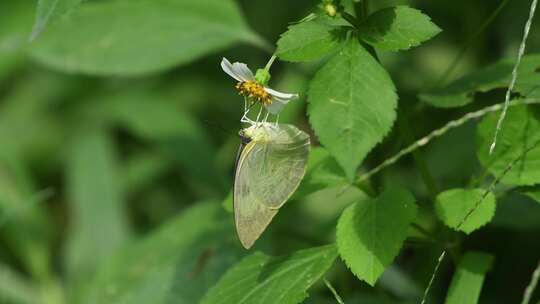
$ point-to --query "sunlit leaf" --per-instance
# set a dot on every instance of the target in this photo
(518, 143)
(397, 28)
(309, 40)
(124, 37)
(352, 105)
(370, 232)
(453, 206)
(260, 279)
(176, 264)
(469, 277)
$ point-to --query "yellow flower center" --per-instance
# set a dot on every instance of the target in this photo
(254, 90)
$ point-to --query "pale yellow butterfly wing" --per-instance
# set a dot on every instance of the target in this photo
(268, 172)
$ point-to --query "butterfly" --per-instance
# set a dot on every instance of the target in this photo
(270, 165)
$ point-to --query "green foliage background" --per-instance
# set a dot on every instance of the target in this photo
(118, 134)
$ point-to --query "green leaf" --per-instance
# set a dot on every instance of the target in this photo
(468, 280)
(397, 28)
(370, 233)
(49, 11)
(265, 279)
(310, 40)
(461, 91)
(95, 195)
(452, 206)
(352, 105)
(534, 194)
(520, 132)
(176, 264)
(122, 37)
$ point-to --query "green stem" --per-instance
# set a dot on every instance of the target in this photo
(350, 18)
(365, 9)
(334, 292)
(361, 9)
(270, 62)
(438, 133)
(529, 291)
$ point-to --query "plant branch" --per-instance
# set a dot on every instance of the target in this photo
(439, 132)
(527, 295)
(514, 74)
(350, 18)
(428, 288)
(334, 292)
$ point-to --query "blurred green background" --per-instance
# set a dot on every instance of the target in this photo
(101, 173)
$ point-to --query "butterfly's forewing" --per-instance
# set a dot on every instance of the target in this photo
(268, 173)
(283, 167)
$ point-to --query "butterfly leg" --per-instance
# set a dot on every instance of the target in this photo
(259, 115)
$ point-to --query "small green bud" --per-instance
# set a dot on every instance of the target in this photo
(330, 9)
(262, 76)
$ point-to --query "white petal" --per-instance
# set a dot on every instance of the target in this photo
(228, 68)
(242, 70)
(280, 95)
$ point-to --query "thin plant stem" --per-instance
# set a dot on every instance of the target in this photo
(474, 37)
(334, 292)
(365, 9)
(270, 62)
(350, 18)
(514, 74)
(428, 288)
(439, 132)
(527, 295)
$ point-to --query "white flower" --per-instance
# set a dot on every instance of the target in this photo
(248, 86)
